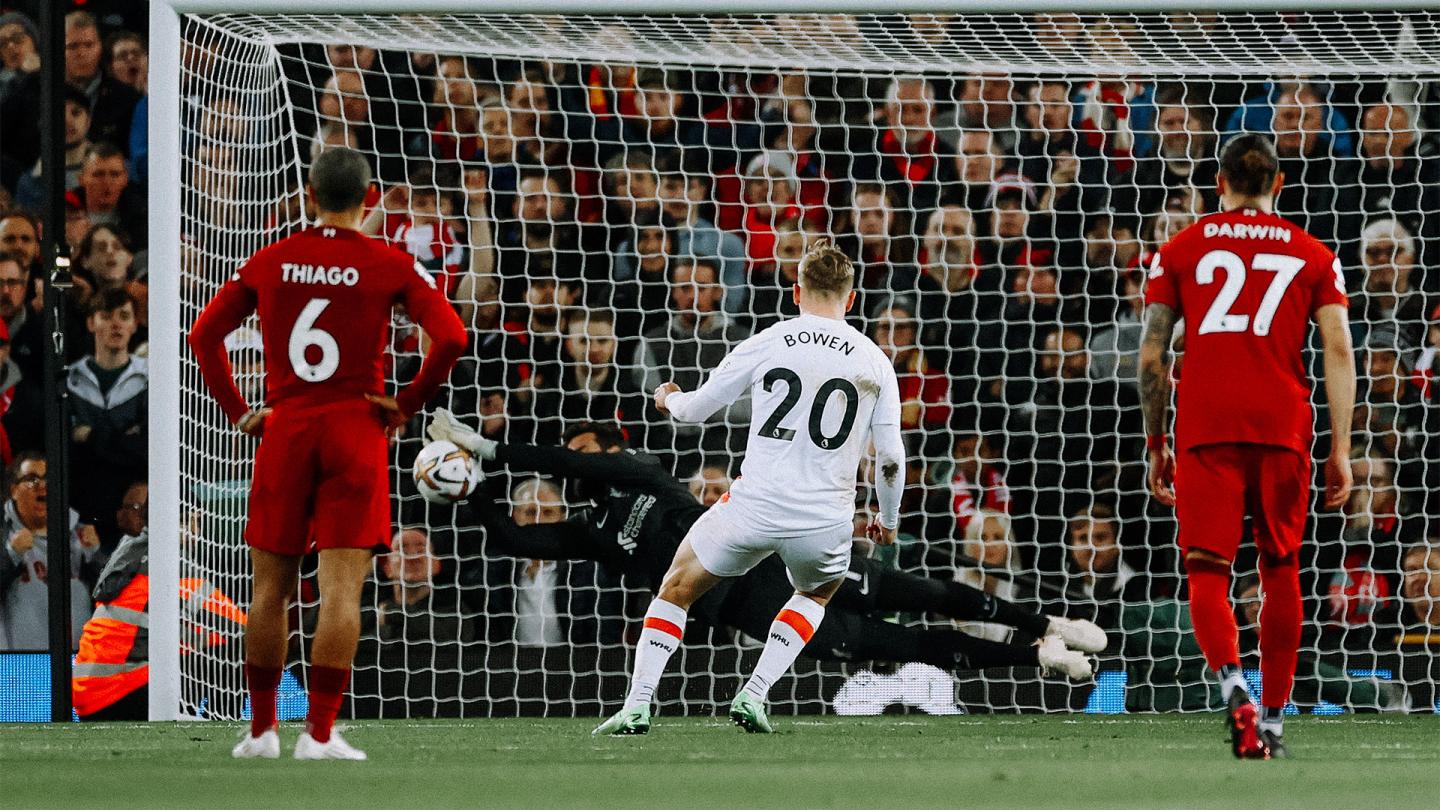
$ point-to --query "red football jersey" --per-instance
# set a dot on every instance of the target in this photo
(325, 297)
(1247, 284)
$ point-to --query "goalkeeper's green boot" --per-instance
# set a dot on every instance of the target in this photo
(749, 714)
(626, 721)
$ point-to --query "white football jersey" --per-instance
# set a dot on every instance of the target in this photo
(818, 386)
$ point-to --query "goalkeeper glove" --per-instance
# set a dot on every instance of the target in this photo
(444, 427)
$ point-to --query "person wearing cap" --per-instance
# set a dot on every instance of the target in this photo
(771, 197)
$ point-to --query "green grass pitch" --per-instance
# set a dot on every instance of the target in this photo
(883, 762)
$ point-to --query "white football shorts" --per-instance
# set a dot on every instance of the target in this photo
(727, 545)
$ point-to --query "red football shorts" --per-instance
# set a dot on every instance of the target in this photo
(321, 480)
(1217, 485)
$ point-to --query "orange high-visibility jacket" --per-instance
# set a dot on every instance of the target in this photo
(113, 659)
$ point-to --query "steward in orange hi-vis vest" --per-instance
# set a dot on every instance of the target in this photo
(112, 668)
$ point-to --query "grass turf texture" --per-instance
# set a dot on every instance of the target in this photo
(884, 762)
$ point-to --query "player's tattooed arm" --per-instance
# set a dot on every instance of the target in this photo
(1155, 367)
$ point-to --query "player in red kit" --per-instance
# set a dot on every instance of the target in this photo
(325, 298)
(1248, 283)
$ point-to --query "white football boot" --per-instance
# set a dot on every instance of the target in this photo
(1078, 634)
(336, 748)
(266, 746)
(1055, 658)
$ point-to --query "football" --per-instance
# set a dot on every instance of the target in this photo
(444, 473)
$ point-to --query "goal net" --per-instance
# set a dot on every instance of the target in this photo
(613, 202)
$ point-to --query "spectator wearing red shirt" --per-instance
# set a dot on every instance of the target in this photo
(771, 198)
(977, 483)
(904, 153)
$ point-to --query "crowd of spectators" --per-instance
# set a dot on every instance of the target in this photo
(603, 228)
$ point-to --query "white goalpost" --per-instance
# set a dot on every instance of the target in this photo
(1000, 171)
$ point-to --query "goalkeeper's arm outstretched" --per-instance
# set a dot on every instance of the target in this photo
(640, 513)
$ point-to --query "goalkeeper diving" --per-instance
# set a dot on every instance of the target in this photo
(638, 514)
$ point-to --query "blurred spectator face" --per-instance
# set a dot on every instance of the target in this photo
(1384, 374)
(540, 200)
(1011, 218)
(789, 250)
(636, 189)
(82, 51)
(18, 237)
(108, 259)
(976, 159)
(988, 98)
(1094, 546)
(799, 135)
(895, 333)
(950, 236)
(678, 193)
(659, 105)
(994, 543)
(492, 414)
(424, 206)
(134, 510)
(695, 289)
(455, 88)
(1388, 265)
(330, 134)
(411, 561)
(224, 121)
(652, 245)
(30, 493)
(77, 224)
(1385, 132)
(545, 299)
(1168, 223)
(1060, 33)
(529, 108)
(1109, 245)
(104, 180)
(17, 48)
(350, 57)
(1182, 135)
(966, 455)
(710, 484)
(910, 108)
(1297, 123)
(873, 218)
(114, 328)
(1052, 102)
(129, 63)
(1421, 586)
(1064, 354)
(495, 130)
(344, 98)
(1036, 285)
(13, 280)
(537, 501)
(77, 123)
(1248, 597)
(769, 193)
(1374, 493)
(591, 342)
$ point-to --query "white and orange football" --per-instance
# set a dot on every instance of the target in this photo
(445, 473)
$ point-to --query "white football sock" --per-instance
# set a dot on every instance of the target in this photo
(664, 628)
(1229, 683)
(789, 633)
(1273, 721)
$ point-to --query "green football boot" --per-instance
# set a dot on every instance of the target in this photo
(626, 721)
(749, 714)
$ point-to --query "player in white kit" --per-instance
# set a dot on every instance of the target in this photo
(820, 392)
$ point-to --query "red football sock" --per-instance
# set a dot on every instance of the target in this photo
(1211, 613)
(263, 681)
(327, 692)
(1280, 619)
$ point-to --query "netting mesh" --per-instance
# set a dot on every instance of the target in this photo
(615, 202)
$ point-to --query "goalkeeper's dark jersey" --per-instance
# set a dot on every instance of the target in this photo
(640, 512)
